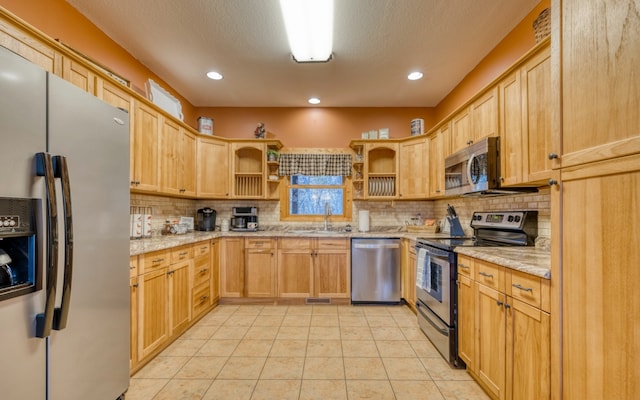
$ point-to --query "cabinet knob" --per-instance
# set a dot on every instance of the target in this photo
(552, 182)
(499, 303)
(552, 156)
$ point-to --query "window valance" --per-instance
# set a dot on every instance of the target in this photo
(315, 164)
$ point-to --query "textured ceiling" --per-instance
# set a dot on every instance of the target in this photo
(376, 44)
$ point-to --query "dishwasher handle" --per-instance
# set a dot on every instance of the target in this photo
(376, 246)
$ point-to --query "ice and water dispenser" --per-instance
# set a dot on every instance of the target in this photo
(19, 272)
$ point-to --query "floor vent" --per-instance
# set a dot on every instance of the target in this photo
(317, 300)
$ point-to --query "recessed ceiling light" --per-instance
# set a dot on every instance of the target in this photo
(216, 76)
(314, 100)
(414, 76)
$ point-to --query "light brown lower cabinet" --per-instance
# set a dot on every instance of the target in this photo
(314, 267)
(260, 267)
(408, 272)
(232, 267)
(504, 330)
(172, 289)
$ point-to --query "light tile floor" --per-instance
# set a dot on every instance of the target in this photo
(323, 352)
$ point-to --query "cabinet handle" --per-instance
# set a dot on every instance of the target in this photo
(485, 274)
(499, 303)
(184, 253)
(135, 285)
(519, 286)
(437, 190)
(507, 306)
(463, 266)
(552, 156)
(203, 270)
(157, 260)
(552, 182)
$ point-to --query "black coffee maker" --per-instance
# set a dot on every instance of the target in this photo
(206, 219)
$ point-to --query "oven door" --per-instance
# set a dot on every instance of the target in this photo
(433, 280)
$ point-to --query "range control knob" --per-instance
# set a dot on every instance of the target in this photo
(517, 218)
(510, 218)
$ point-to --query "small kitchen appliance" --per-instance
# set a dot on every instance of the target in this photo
(244, 219)
(436, 272)
(206, 219)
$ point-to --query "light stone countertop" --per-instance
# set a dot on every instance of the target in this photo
(532, 260)
(141, 246)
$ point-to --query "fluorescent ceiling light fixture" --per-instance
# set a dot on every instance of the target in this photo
(216, 76)
(314, 100)
(414, 76)
(309, 25)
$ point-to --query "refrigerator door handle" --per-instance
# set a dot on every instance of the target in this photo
(44, 321)
(61, 314)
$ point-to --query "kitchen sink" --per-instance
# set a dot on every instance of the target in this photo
(312, 232)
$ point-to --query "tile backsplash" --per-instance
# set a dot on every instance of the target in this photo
(382, 213)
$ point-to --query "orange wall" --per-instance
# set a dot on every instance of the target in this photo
(295, 127)
(59, 20)
(314, 126)
(520, 40)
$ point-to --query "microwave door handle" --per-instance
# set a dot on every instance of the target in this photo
(44, 167)
(469, 164)
(61, 314)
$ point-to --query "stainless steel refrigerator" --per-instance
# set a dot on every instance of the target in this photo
(64, 239)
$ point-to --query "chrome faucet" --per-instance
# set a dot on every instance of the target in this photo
(327, 213)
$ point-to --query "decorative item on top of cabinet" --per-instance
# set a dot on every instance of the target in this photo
(381, 170)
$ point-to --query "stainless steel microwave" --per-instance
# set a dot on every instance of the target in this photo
(474, 169)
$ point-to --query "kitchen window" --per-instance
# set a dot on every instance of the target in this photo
(314, 184)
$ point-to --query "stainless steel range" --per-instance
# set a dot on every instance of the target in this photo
(437, 272)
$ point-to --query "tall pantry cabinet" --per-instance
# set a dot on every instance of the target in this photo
(596, 201)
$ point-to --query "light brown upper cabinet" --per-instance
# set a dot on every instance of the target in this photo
(525, 122)
(27, 44)
(79, 74)
(144, 149)
(381, 170)
(477, 121)
(438, 147)
(248, 170)
(597, 77)
(177, 160)
(212, 168)
(414, 169)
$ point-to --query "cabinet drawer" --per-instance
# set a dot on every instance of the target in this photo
(297, 243)
(201, 299)
(153, 261)
(412, 247)
(201, 270)
(181, 253)
(490, 275)
(525, 287)
(332, 243)
(202, 248)
(133, 266)
(466, 266)
(259, 243)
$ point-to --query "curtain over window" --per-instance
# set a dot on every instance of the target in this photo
(315, 164)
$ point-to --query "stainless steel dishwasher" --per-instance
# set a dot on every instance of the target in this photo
(375, 270)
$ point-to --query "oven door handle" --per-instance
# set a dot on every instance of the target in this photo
(444, 331)
(433, 251)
